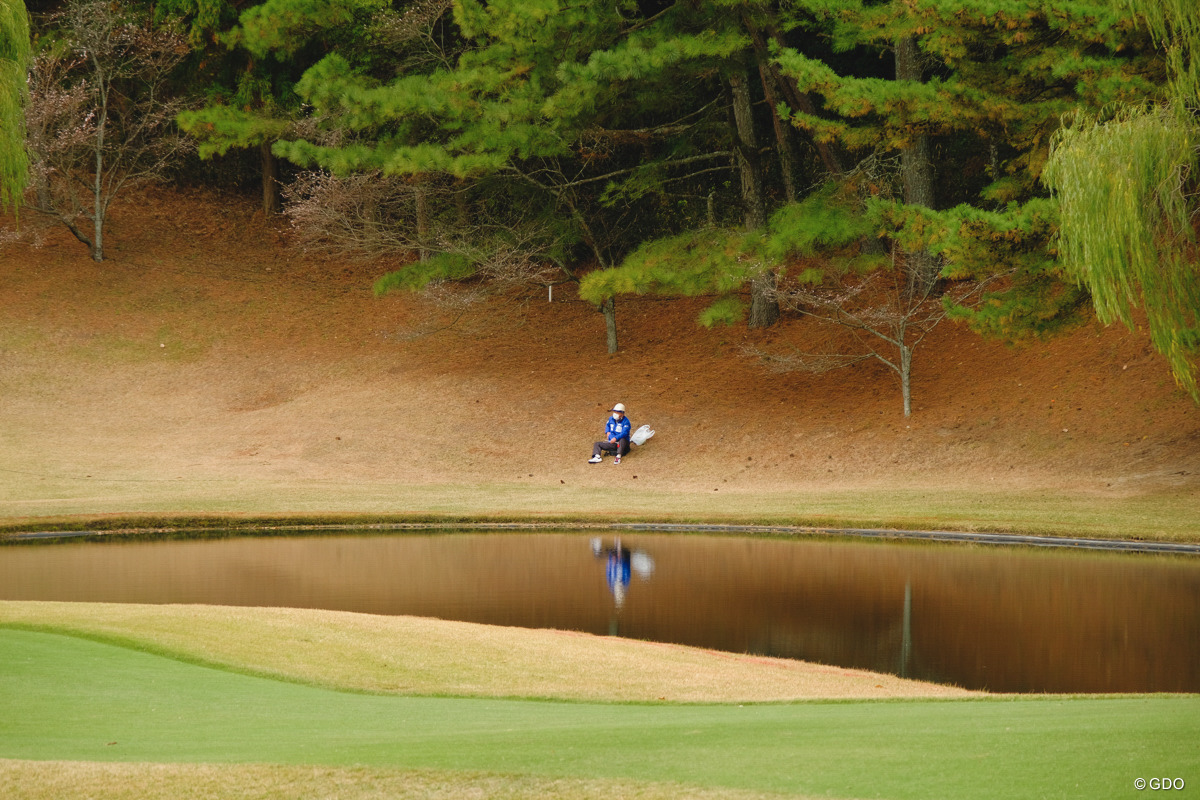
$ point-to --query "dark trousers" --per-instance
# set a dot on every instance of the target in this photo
(620, 447)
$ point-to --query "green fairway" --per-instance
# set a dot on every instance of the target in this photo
(65, 698)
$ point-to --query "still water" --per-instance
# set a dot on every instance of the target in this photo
(1004, 619)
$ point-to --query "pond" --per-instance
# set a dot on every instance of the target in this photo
(997, 618)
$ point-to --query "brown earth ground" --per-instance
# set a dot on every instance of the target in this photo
(206, 348)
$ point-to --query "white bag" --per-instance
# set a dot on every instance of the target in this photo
(640, 436)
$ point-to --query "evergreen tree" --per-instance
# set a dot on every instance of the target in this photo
(984, 85)
(14, 94)
(992, 81)
(240, 90)
(587, 106)
(253, 60)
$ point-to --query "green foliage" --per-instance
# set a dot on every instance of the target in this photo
(1124, 182)
(830, 219)
(202, 18)
(1175, 25)
(419, 274)
(219, 128)
(282, 27)
(14, 94)
(998, 77)
(728, 310)
(689, 264)
(1032, 305)
(251, 93)
(1126, 231)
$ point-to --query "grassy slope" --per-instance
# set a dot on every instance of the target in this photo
(75, 700)
(410, 655)
(209, 369)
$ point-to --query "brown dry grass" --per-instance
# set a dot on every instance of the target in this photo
(54, 780)
(411, 655)
(208, 368)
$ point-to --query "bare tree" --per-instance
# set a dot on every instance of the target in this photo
(366, 216)
(885, 315)
(371, 216)
(378, 218)
(99, 120)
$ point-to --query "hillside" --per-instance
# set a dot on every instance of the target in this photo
(208, 349)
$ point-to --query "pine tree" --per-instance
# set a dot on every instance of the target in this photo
(587, 106)
(996, 76)
(253, 59)
(981, 84)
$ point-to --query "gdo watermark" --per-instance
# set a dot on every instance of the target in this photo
(1159, 784)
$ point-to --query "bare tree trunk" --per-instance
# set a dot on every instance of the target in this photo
(764, 307)
(609, 306)
(906, 377)
(270, 180)
(916, 170)
(422, 202)
(97, 243)
(610, 323)
(915, 163)
(461, 207)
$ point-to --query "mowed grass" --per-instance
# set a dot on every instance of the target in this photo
(413, 655)
(113, 717)
(30, 500)
(55, 780)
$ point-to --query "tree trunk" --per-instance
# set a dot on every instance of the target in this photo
(462, 207)
(916, 170)
(764, 306)
(754, 211)
(609, 306)
(97, 243)
(906, 377)
(422, 210)
(610, 323)
(270, 180)
(831, 155)
(783, 139)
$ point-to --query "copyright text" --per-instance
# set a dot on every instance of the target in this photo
(1159, 784)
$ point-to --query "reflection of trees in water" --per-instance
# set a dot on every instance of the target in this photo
(1004, 619)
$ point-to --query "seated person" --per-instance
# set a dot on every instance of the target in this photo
(616, 436)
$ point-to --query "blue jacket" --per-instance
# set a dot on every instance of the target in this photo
(617, 429)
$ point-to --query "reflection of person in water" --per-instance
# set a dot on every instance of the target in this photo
(620, 564)
(619, 571)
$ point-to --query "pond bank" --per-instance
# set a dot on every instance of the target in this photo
(1001, 539)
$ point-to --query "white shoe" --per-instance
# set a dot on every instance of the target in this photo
(595, 459)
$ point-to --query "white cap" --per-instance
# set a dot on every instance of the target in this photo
(619, 407)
